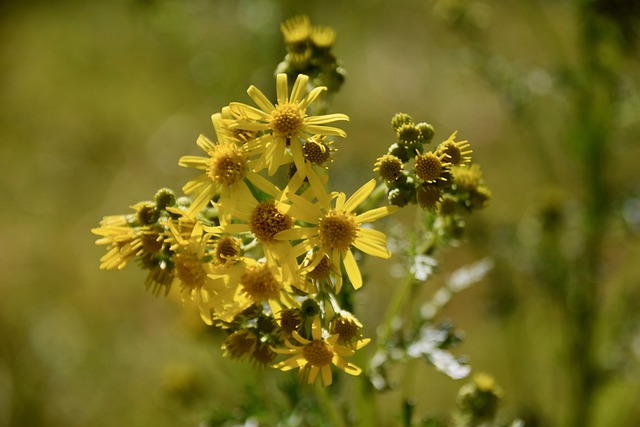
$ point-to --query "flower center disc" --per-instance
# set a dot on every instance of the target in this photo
(428, 167)
(190, 271)
(317, 353)
(227, 249)
(286, 120)
(322, 270)
(259, 283)
(454, 153)
(338, 230)
(266, 221)
(226, 165)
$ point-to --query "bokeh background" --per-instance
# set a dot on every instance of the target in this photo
(100, 99)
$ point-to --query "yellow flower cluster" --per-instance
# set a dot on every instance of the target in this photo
(261, 244)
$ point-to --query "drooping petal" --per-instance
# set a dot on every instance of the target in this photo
(326, 375)
(298, 157)
(318, 188)
(372, 248)
(347, 367)
(373, 236)
(313, 374)
(353, 271)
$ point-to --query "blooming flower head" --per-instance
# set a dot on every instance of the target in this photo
(316, 356)
(457, 152)
(284, 125)
(190, 255)
(263, 220)
(334, 230)
(225, 169)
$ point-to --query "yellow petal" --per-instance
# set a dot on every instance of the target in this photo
(353, 271)
(326, 375)
(372, 248)
(296, 234)
(260, 99)
(205, 143)
(377, 213)
(196, 162)
(327, 118)
(360, 196)
(282, 88)
(325, 130)
(299, 87)
(304, 104)
(373, 236)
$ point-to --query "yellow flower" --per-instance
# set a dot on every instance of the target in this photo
(261, 282)
(296, 30)
(190, 255)
(127, 240)
(263, 219)
(283, 124)
(121, 238)
(457, 152)
(222, 299)
(316, 356)
(333, 231)
(224, 170)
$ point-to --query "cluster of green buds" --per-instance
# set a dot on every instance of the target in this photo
(309, 52)
(440, 180)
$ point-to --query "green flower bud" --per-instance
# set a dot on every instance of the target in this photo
(400, 152)
(389, 167)
(164, 197)
(399, 119)
(147, 213)
(310, 308)
(408, 134)
(478, 400)
(426, 131)
(428, 195)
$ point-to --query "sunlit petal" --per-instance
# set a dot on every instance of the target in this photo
(353, 271)
(360, 196)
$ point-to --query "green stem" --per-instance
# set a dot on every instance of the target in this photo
(334, 417)
(396, 303)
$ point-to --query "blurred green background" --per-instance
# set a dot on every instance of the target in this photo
(100, 99)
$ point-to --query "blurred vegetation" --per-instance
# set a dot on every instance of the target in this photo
(100, 99)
